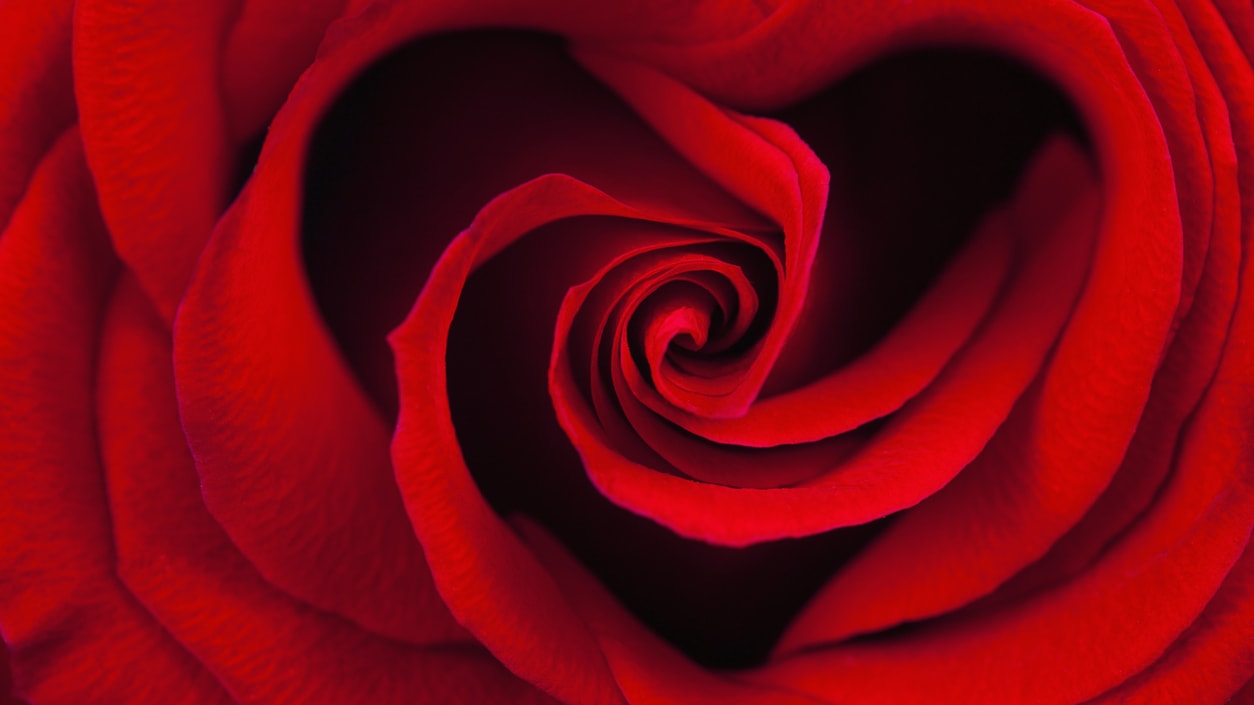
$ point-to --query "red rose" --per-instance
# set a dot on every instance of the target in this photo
(650, 352)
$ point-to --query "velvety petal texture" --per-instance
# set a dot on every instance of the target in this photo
(183, 567)
(155, 130)
(1109, 321)
(73, 630)
(35, 91)
(754, 352)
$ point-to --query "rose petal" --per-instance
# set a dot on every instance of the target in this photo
(36, 92)
(497, 591)
(1239, 18)
(1178, 556)
(653, 19)
(265, 646)
(155, 130)
(1211, 660)
(1190, 362)
(1022, 651)
(649, 669)
(260, 64)
(591, 310)
(6, 679)
(627, 421)
(443, 502)
(1179, 101)
(292, 458)
(1244, 694)
(1037, 476)
(147, 120)
(75, 634)
(669, 499)
(724, 606)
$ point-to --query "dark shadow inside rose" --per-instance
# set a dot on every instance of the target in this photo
(919, 146)
(245, 162)
(425, 138)
(722, 606)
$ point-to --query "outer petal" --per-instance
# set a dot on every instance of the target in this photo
(1189, 364)
(269, 45)
(163, 121)
(1240, 20)
(36, 93)
(147, 82)
(292, 458)
(75, 634)
(1211, 660)
(264, 645)
(167, 119)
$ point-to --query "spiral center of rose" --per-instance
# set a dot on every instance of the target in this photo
(602, 370)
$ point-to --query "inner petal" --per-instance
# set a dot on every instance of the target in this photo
(427, 136)
(918, 151)
(919, 145)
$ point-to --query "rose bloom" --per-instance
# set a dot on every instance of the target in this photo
(530, 351)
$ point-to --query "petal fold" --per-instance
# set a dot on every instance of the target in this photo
(74, 632)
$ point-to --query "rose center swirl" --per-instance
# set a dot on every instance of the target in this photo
(642, 348)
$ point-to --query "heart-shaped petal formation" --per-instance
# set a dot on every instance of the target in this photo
(627, 348)
(1057, 430)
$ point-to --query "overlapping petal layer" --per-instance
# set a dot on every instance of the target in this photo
(1092, 424)
(72, 628)
(1058, 428)
(36, 94)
